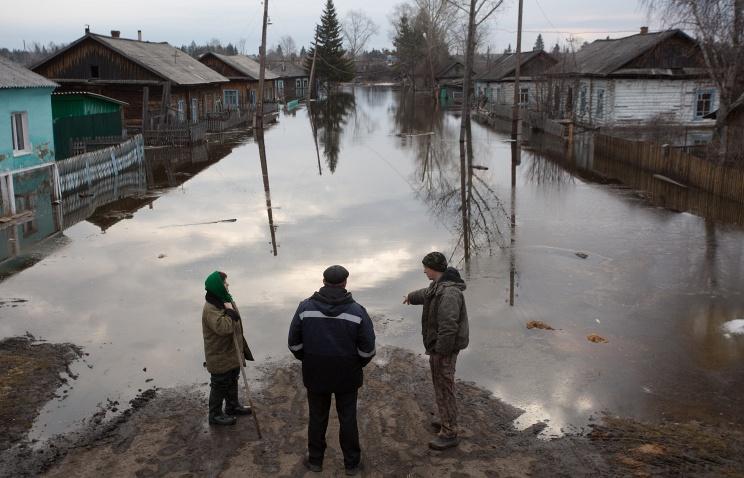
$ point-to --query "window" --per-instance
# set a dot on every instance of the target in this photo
(703, 103)
(524, 96)
(298, 84)
(231, 98)
(19, 130)
(181, 110)
(582, 100)
(600, 103)
(194, 110)
(557, 99)
(280, 87)
(94, 71)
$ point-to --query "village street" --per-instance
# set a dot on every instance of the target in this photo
(570, 187)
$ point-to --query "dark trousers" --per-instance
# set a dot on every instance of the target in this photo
(319, 405)
(223, 387)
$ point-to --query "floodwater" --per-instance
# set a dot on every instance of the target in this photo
(370, 180)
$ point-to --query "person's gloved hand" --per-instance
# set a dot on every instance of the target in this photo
(232, 314)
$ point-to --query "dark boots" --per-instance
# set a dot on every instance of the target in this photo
(224, 387)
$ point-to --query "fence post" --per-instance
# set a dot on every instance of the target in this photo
(11, 194)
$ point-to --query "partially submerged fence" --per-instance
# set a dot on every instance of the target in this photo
(720, 179)
(218, 122)
(85, 169)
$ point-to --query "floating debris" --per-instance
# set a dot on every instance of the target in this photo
(536, 324)
(161, 256)
(582, 255)
(734, 327)
(201, 223)
(596, 339)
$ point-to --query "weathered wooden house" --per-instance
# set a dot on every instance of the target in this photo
(497, 83)
(643, 79)
(243, 74)
(122, 69)
(292, 80)
(26, 137)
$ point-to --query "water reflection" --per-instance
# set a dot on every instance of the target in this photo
(267, 190)
(329, 117)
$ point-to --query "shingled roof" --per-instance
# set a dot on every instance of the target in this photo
(13, 75)
(506, 64)
(160, 58)
(605, 57)
(243, 64)
(286, 69)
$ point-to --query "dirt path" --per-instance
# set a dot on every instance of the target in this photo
(29, 377)
(165, 434)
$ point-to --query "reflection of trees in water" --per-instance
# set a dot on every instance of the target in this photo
(416, 114)
(544, 172)
(329, 117)
(438, 180)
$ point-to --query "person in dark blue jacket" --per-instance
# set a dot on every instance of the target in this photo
(334, 338)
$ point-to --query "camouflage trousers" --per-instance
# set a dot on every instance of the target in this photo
(443, 379)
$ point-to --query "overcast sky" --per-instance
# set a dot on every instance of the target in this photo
(179, 22)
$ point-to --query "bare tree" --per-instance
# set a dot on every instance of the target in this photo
(478, 11)
(719, 27)
(358, 28)
(289, 47)
(436, 20)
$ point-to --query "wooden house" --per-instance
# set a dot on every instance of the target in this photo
(496, 84)
(26, 137)
(174, 83)
(643, 79)
(292, 80)
(243, 75)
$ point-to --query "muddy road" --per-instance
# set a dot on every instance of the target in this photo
(165, 433)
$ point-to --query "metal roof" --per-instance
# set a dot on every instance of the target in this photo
(13, 75)
(91, 95)
(164, 60)
(244, 65)
(605, 57)
(506, 64)
(286, 69)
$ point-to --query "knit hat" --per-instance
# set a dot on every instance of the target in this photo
(335, 275)
(435, 261)
(215, 285)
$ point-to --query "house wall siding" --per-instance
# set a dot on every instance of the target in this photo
(644, 100)
(37, 103)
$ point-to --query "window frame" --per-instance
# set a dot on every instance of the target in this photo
(25, 141)
(697, 114)
(524, 96)
(599, 111)
(228, 104)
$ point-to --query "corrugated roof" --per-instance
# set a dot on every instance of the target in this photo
(286, 69)
(91, 95)
(245, 65)
(506, 64)
(13, 75)
(164, 60)
(604, 57)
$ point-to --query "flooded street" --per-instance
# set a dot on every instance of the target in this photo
(375, 193)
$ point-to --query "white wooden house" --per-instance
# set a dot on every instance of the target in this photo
(635, 81)
(497, 84)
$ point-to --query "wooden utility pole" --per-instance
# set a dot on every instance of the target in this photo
(258, 123)
(312, 71)
(516, 106)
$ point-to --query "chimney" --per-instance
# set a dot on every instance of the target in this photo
(115, 33)
(644, 30)
(87, 29)
(139, 35)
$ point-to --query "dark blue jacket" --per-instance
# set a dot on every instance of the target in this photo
(334, 338)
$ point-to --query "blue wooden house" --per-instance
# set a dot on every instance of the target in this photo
(26, 135)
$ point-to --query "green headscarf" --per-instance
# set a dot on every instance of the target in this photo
(215, 285)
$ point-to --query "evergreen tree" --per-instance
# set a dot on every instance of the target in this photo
(539, 44)
(556, 49)
(408, 44)
(332, 65)
(303, 52)
(508, 49)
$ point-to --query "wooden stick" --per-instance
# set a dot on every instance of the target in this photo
(238, 350)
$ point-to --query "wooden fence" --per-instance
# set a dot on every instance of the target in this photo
(720, 179)
(81, 171)
(218, 122)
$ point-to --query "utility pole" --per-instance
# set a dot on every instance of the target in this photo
(312, 70)
(258, 123)
(516, 106)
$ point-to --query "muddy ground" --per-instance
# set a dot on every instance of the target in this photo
(31, 373)
(165, 434)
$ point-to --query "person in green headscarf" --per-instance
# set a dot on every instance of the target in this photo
(219, 322)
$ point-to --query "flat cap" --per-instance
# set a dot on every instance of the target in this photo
(335, 274)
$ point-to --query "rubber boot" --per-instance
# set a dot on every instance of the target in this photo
(232, 404)
(216, 417)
